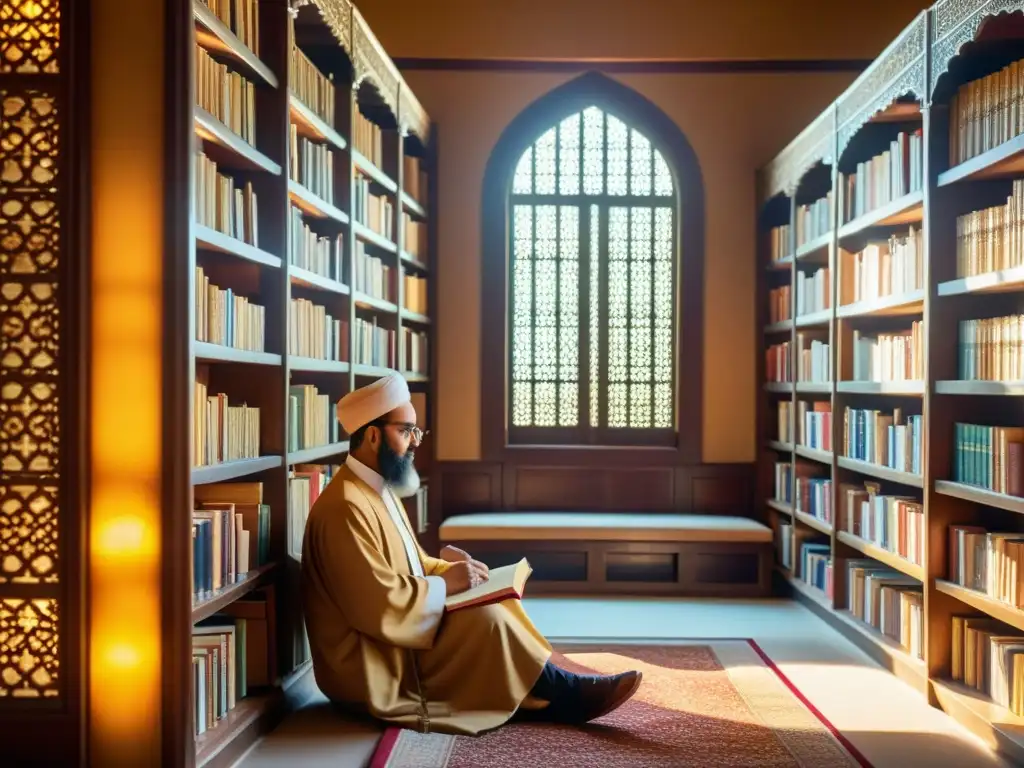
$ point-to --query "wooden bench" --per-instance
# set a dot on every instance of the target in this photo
(617, 553)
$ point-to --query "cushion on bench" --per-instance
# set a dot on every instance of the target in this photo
(604, 526)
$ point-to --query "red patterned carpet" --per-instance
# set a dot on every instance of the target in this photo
(716, 704)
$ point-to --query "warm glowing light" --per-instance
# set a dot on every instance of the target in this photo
(127, 334)
(126, 537)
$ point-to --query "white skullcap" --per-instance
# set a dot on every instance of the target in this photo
(361, 406)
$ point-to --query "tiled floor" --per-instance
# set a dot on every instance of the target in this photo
(891, 724)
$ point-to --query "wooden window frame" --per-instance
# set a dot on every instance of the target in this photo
(683, 443)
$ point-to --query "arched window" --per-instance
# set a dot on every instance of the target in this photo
(592, 282)
(591, 286)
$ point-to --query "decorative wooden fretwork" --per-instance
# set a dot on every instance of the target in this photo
(899, 71)
(592, 283)
(31, 241)
(956, 23)
(371, 64)
(815, 144)
(29, 36)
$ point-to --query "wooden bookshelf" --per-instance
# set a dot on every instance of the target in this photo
(317, 202)
(840, 198)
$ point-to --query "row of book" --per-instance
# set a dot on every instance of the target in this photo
(889, 356)
(814, 497)
(893, 267)
(813, 292)
(415, 236)
(884, 178)
(373, 211)
(991, 349)
(311, 165)
(989, 457)
(816, 566)
(814, 359)
(785, 421)
(779, 243)
(222, 317)
(226, 95)
(784, 482)
(986, 112)
(417, 351)
(784, 544)
(415, 294)
(311, 418)
(373, 344)
(992, 239)
(779, 304)
(319, 254)
(778, 367)
(221, 205)
(219, 669)
(893, 523)
(372, 276)
(813, 219)
(889, 601)
(230, 535)
(310, 86)
(223, 432)
(367, 139)
(988, 656)
(313, 333)
(988, 562)
(889, 440)
(305, 484)
(242, 17)
(414, 179)
(815, 424)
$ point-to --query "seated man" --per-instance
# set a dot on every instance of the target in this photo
(374, 601)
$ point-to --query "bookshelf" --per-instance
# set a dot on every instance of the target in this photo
(890, 290)
(309, 275)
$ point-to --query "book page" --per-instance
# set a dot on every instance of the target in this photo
(506, 580)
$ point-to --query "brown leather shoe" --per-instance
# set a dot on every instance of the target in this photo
(600, 695)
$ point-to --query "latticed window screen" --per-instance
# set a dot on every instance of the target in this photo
(592, 283)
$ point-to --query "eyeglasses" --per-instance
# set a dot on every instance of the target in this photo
(407, 429)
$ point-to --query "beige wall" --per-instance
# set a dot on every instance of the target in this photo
(735, 123)
(647, 29)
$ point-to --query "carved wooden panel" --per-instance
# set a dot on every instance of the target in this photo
(956, 23)
(337, 15)
(704, 489)
(590, 489)
(900, 70)
(411, 115)
(372, 64)
(32, 238)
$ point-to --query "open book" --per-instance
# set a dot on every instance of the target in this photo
(506, 582)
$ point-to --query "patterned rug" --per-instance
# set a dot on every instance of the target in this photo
(714, 704)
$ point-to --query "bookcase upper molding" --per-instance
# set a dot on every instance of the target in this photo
(956, 23)
(371, 64)
(899, 71)
(814, 144)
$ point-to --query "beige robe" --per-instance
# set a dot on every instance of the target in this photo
(377, 644)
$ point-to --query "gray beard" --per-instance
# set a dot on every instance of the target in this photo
(408, 485)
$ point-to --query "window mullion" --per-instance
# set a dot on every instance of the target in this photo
(603, 314)
(583, 323)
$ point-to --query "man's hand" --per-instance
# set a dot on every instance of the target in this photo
(463, 575)
(454, 554)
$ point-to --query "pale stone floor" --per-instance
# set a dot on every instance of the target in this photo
(890, 723)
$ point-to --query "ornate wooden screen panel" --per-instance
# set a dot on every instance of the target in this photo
(33, 235)
(591, 287)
